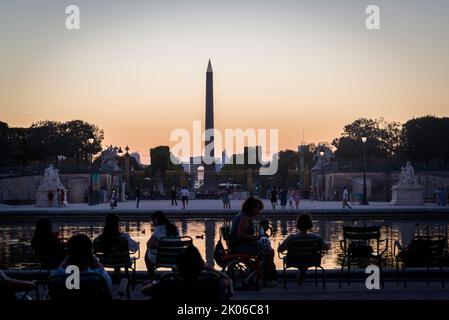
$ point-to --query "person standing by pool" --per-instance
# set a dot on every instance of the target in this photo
(226, 197)
(244, 241)
(442, 197)
(184, 193)
(283, 198)
(113, 201)
(274, 198)
(173, 196)
(138, 195)
(291, 193)
(346, 199)
(296, 198)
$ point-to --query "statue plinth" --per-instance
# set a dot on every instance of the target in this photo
(407, 195)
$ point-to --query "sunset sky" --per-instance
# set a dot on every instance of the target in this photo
(137, 68)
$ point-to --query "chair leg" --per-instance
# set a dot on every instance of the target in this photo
(404, 278)
(397, 273)
(349, 272)
(127, 287)
(285, 279)
(381, 274)
(324, 279)
(341, 272)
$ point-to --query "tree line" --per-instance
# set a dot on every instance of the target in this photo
(49, 141)
(424, 140)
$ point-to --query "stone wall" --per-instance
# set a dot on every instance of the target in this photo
(379, 184)
(22, 190)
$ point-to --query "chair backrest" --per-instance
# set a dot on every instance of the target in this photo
(114, 253)
(206, 288)
(427, 249)
(169, 249)
(361, 233)
(92, 287)
(304, 252)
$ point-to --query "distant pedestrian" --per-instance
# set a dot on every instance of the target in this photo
(283, 194)
(296, 198)
(274, 198)
(63, 198)
(113, 200)
(50, 198)
(291, 199)
(58, 197)
(226, 197)
(346, 199)
(184, 193)
(442, 197)
(173, 196)
(138, 195)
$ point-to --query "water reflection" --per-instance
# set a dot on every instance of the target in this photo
(15, 238)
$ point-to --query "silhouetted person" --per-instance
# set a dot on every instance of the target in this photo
(138, 195)
(46, 245)
(162, 228)
(244, 241)
(346, 199)
(274, 198)
(184, 193)
(173, 196)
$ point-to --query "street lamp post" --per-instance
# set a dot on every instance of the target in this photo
(322, 176)
(91, 186)
(364, 201)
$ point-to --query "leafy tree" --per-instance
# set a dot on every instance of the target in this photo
(426, 138)
(383, 140)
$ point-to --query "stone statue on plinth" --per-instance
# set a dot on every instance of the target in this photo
(407, 176)
(408, 191)
(51, 192)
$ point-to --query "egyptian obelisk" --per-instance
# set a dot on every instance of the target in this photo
(209, 169)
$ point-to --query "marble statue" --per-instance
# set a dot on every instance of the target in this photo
(408, 191)
(407, 176)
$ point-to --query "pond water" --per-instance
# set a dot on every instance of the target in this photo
(15, 237)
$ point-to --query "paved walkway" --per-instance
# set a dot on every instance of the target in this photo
(207, 205)
(308, 291)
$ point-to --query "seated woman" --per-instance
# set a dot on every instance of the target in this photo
(112, 231)
(46, 245)
(304, 224)
(162, 228)
(190, 265)
(244, 241)
(80, 254)
(9, 287)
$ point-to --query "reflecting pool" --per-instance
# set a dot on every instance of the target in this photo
(15, 237)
